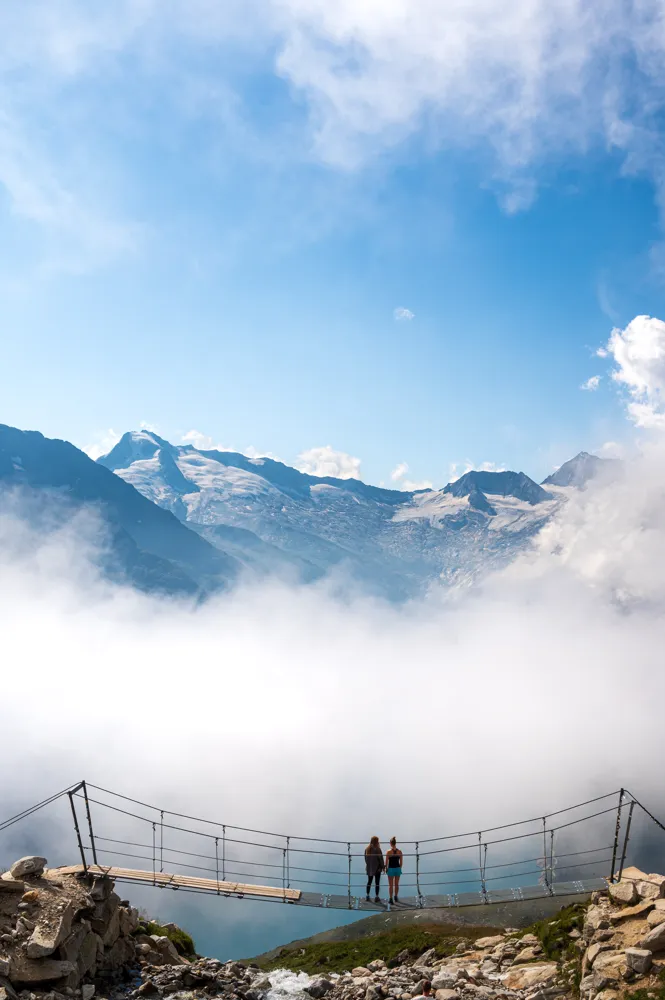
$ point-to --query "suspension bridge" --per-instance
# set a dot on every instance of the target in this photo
(568, 852)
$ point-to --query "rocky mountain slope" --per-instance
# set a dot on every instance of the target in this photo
(72, 936)
(144, 543)
(275, 519)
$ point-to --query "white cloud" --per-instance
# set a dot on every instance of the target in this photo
(102, 446)
(529, 83)
(399, 471)
(611, 449)
(203, 442)
(457, 469)
(403, 315)
(639, 354)
(325, 461)
(591, 383)
(410, 485)
(413, 486)
(602, 352)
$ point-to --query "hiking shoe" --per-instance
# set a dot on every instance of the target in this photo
(367, 899)
(377, 899)
(390, 900)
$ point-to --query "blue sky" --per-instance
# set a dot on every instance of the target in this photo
(210, 213)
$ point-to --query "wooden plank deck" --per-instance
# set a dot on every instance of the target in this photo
(187, 882)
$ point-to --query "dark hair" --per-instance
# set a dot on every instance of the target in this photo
(427, 986)
(393, 841)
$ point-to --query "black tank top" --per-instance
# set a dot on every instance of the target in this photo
(394, 861)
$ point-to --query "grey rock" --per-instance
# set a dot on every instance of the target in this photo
(46, 937)
(30, 865)
(87, 991)
(654, 940)
(624, 891)
(425, 959)
(446, 995)
(27, 970)
(638, 959)
(318, 987)
(4, 967)
(373, 992)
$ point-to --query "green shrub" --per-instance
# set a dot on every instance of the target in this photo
(182, 941)
(553, 933)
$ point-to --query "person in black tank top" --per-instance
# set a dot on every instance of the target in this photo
(394, 869)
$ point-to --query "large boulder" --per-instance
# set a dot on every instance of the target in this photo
(50, 933)
(528, 976)
(654, 940)
(624, 891)
(31, 971)
(638, 959)
(31, 865)
(488, 942)
(318, 987)
(608, 968)
(652, 887)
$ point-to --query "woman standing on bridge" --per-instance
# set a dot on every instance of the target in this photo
(394, 865)
(374, 866)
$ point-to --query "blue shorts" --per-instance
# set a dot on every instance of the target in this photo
(394, 872)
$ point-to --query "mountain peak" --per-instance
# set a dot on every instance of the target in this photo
(577, 471)
(505, 484)
(134, 446)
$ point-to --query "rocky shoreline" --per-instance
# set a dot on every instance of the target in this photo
(63, 936)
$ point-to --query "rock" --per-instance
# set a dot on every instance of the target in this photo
(654, 940)
(403, 956)
(594, 951)
(528, 940)
(318, 987)
(129, 920)
(378, 964)
(624, 891)
(596, 918)
(528, 954)
(31, 865)
(87, 991)
(608, 967)
(27, 970)
(446, 995)
(491, 942)
(574, 934)
(529, 975)
(444, 979)
(359, 970)
(653, 887)
(31, 896)
(628, 912)
(112, 932)
(11, 884)
(46, 937)
(147, 988)
(373, 992)
(638, 959)
(425, 959)
(4, 967)
(7, 991)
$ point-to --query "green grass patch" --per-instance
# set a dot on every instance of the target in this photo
(184, 943)
(655, 992)
(342, 956)
(553, 933)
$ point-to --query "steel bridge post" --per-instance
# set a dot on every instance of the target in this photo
(87, 812)
(626, 837)
(76, 826)
(348, 850)
(617, 830)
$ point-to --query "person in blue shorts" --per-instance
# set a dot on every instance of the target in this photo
(394, 869)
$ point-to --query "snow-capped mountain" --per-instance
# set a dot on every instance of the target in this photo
(275, 519)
